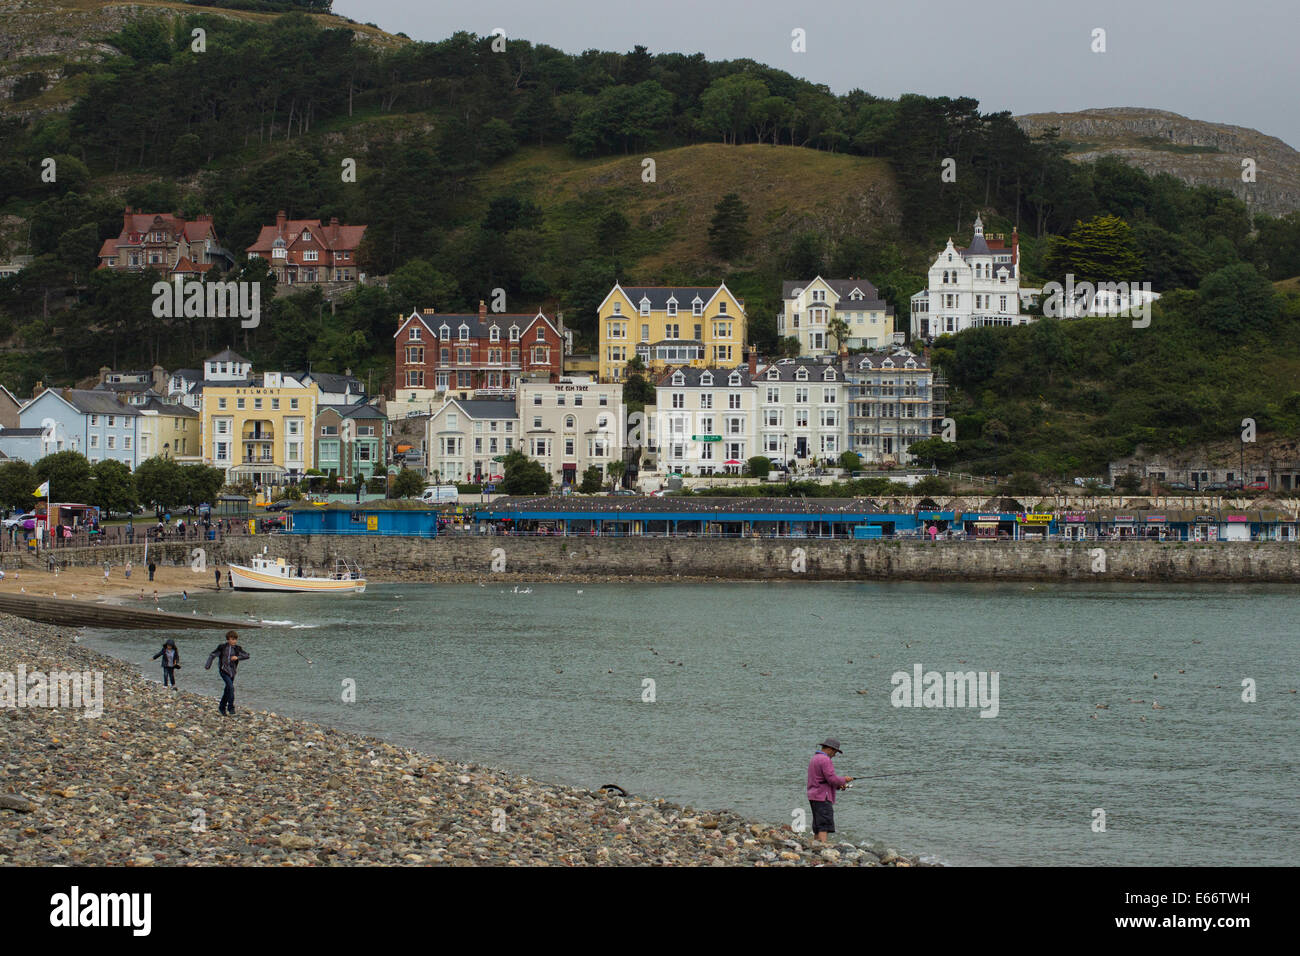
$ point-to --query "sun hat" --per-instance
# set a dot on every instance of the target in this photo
(833, 743)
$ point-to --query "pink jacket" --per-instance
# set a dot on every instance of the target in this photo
(822, 779)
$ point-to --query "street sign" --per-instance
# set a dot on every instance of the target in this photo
(706, 438)
(498, 457)
(489, 489)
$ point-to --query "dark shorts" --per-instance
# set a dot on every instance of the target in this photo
(823, 816)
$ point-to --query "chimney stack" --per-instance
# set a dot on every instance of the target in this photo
(753, 362)
(280, 218)
(482, 310)
(103, 374)
(334, 228)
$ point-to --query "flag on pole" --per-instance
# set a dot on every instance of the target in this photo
(43, 490)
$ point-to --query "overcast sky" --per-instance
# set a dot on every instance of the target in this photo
(1224, 62)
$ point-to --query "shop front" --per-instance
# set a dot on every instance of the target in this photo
(1074, 525)
(1205, 527)
(989, 527)
(934, 524)
(1034, 526)
(1235, 527)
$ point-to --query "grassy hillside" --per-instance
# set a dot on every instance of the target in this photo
(788, 191)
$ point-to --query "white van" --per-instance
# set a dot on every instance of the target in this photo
(440, 494)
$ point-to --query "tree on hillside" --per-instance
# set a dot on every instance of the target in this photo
(1102, 249)
(727, 107)
(1237, 299)
(728, 234)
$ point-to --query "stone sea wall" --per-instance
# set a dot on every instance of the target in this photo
(794, 559)
(466, 557)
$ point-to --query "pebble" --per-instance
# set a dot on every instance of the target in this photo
(154, 781)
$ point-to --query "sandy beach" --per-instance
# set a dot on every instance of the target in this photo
(89, 583)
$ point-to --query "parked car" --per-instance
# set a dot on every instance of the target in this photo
(279, 505)
(1217, 486)
(17, 520)
(1177, 486)
(1233, 485)
(1257, 486)
(621, 491)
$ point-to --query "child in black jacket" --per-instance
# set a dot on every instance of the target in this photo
(171, 660)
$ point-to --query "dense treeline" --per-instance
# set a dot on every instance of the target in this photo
(1064, 397)
(262, 119)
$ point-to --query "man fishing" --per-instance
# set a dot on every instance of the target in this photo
(822, 784)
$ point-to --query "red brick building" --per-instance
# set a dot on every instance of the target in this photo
(163, 242)
(479, 356)
(304, 251)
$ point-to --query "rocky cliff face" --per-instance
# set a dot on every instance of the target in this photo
(1196, 152)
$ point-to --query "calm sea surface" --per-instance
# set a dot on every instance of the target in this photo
(550, 683)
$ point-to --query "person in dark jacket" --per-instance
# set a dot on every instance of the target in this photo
(171, 660)
(229, 654)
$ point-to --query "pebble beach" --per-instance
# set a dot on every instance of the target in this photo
(161, 779)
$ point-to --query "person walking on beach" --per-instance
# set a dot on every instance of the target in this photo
(822, 784)
(216, 574)
(171, 660)
(230, 654)
(152, 568)
(127, 570)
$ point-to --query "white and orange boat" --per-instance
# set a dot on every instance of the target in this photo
(276, 574)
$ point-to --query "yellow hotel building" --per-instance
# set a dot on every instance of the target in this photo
(260, 432)
(667, 326)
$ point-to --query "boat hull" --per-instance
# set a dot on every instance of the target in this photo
(247, 579)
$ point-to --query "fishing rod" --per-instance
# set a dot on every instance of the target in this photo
(902, 773)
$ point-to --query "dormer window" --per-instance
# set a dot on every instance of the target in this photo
(828, 375)
(679, 378)
(801, 375)
(672, 306)
(514, 333)
(494, 334)
(735, 378)
(697, 306)
(645, 305)
(444, 333)
(706, 378)
(464, 332)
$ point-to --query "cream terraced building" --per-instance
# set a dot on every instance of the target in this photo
(705, 420)
(571, 425)
(802, 413)
(807, 309)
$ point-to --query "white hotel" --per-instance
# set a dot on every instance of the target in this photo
(971, 287)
